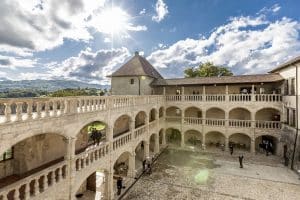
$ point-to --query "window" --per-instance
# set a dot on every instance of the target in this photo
(293, 86)
(7, 155)
(132, 81)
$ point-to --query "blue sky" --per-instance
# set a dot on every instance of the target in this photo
(88, 40)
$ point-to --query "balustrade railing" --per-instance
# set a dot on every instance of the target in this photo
(268, 124)
(91, 155)
(140, 131)
(239, 123)
(22, 109)
(121, 140)
(226, 97)
(192, 120)
(37, 183)
(173, 119)
(215, 122)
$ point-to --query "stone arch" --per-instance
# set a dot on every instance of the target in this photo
(215, 113)
(90, 134)
(121, 125)
(34, 153)
(173, 136)
(214, 139)
(193, 137)
(240, 141)
(267, 114)
(263, 139)
(161, 112)
(240, 113)
(140, 119)
(173, 111)
(152, 114)
(121, 163)
(193, 111)
(161, 135)
(153, 139)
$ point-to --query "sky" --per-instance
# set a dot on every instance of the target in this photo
(88, 40)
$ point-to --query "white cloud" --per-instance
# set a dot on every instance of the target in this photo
(245, 44)
(15, 62)
(161, 10)
(107, 40)
(273, 9)
(143, 11)
(90, 66)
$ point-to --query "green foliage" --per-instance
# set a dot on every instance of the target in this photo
(78, 92)
(207, 69)
(22, 93)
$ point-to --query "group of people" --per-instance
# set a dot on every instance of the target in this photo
(148, 165)
(96, 135)
(120, 185)
(267, 146)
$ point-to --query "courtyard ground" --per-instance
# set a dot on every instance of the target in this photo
(180, 174)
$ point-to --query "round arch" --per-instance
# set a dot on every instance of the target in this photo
(215, 113)
(193, 137)
(193, 111)
(161, 112)
(214, 139)
(173, 111)
(152, 114)
(161, 135)
(240, 141)
(121, 125)
(140, 119)
(265, 142)
(173, 136)
(240, 113)
(267, 114)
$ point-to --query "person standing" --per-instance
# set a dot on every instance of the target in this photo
(119, 185)
(231, 149)
(241, 157)
(149, 168)
(144, 165)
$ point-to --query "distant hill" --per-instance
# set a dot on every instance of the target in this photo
(47, 85)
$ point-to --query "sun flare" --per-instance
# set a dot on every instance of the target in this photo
(113, 20)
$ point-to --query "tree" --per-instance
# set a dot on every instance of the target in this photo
(206, 70)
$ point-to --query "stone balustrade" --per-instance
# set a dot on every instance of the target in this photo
(222, 122)
(22, 109)
(121, 140)
(226, 98)
(91, 155)
(35, 184)
(140, 131)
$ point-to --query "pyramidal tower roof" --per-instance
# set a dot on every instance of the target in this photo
(137, 66)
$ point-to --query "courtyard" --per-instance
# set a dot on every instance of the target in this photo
(181, 174)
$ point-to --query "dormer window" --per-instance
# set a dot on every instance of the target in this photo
(132, 81)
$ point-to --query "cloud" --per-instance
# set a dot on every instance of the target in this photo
(245, 44)
(16, 62)
(161, 10)
(90, 66)
(143, 11)
(273, 9)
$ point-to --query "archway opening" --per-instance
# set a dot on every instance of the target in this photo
(140, 119)
(93, 187)
(121, 125)
(266, 144)
(193, 112)
(267, 114)
(91, 134)
(152, 115)
(140, 156)
(214, 140)
(215, 113)
(161, 112)
(240, 141)
(240, 114)
(173, 114)
(161, 135)
(193, 138)
(30, 156)
(173, 136)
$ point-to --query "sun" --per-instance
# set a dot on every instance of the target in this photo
(113, 21)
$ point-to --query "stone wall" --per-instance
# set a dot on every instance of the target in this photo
(123, 86)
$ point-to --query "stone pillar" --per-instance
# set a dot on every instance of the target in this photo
(203, 142)
(252, 147)
(146, 150)
(182, 93)
(156, 145)
(252, 119)
(109, 190)
(71, 164)
(164, 137)
(131, 167)
(29, 109)
(226, 92)
(182, 138)
(226, 118)
(252, 93)
(226, 143)
(203, 117)
(7, 112)
(164, 90)
(203, 93)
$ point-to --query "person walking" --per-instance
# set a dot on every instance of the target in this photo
(231, 149)
(149, 168)
(119, 185)
(241, 157)
(144, 165)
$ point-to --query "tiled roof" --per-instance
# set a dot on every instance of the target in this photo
(260, 78)
(286, 64)
(137, 66)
